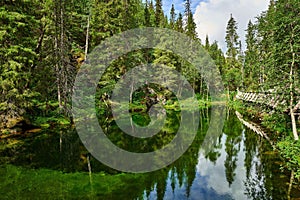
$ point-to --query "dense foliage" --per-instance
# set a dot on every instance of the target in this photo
(44, 43)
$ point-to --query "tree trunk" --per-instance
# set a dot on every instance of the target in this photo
(62, 57)
(90, 169)
(87, 36)
(294, 126)
(57, 65)
(293, 119)
(290, 185)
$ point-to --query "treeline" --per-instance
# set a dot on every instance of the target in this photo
(44, 43)
(270, 62)
(272, 59)
(271, 65)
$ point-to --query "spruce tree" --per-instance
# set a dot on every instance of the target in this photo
(251, 57)
(159, 15)
(190, 26)
(18, 53)
(172, 17)
(147, 15)
(231, 39)
(233, 75)
(179, 24)
(206, 43)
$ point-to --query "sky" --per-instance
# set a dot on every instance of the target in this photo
(179, 5)
(211, 16)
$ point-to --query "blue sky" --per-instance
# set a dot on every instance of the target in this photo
(211, 16)
(179, 5)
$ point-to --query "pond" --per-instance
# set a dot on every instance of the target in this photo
(54, 164)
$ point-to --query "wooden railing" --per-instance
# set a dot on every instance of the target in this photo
(274, 101)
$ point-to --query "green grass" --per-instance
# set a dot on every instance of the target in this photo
(22, 183)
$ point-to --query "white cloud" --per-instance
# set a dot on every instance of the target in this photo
(212, 16)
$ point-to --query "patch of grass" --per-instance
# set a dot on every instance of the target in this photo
(23, 183)
(46, 122)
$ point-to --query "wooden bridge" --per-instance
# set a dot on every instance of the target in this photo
(274, 101)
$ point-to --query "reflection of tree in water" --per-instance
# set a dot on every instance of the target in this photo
(262, 182)
(250, 145)
(212, 145)
(181, 173)
(233, 131)
(214, 154)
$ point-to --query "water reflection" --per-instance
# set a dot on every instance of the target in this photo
(240, 165)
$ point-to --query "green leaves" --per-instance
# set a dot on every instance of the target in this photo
(290, 151)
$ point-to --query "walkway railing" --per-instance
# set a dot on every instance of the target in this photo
(274, 101)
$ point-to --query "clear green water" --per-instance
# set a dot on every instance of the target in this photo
(53, 165)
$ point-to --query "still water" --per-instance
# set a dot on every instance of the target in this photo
(55, 165)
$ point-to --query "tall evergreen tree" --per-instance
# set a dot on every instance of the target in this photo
(179, 24)
(206, 43)
(251, 69)
(233, 66)
(18, 53)
(231, 38)
(172, 17)
(265, 37)
(107, 20)
(147, 15)
(286, 48)
(217, 55)
(190, 26)
(159, 15)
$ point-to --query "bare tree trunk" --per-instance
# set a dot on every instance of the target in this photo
(62, 57)
(293, 119)
(243, 75)
(200, 90)
(87, 36)
(57, 65)
(131, 92)
(90, 169)
(290, 185)
(60, 141)
(207, 93)
(294, 126)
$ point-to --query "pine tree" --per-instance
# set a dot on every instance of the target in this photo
(172, 17)
(159, 15)
(217, 55)
(207, 45)
(147, 15)
(190, 27)
(152, 13)
(179, 24)
(251, 57)
(286, 47)
(232, 73)
(265, 37)
(107, 20)
(18, 53)
(232, 39)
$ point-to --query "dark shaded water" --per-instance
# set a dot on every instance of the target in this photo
(54, 165)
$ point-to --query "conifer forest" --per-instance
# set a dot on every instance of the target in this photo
(241, 138)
